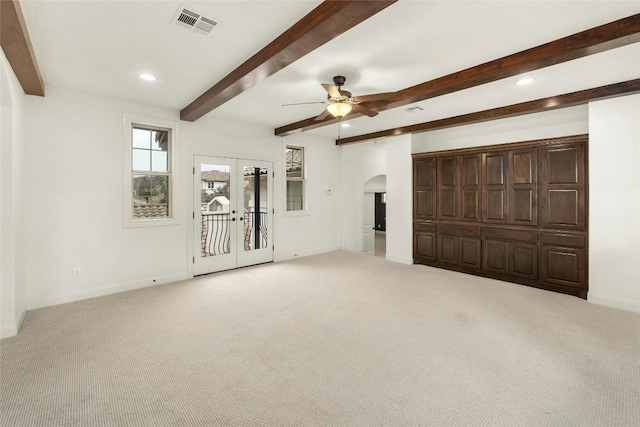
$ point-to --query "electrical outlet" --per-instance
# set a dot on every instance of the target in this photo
(77, 272)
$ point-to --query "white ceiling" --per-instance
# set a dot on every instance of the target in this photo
(99, 47)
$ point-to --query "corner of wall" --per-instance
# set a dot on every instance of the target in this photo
(614, 202)
(614, 302)
(12, 262)
(11, 330)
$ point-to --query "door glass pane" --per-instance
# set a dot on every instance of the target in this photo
(256, 209)
(215, 198)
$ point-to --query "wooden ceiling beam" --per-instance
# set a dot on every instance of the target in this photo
(539, 105)
(17, 47)
(327, 21)
(595, 40)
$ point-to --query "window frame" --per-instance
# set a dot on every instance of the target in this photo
(302, 178)
(129, 123)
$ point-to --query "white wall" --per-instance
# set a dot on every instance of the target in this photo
(377, 184)
(399, 200)
(614, 202)
(73, 185)
(550, 124)
(12, 268)
(318, 229)
(74, 205)
(359, 163)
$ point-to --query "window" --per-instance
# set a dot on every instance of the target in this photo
(294, 165)
(149, 174)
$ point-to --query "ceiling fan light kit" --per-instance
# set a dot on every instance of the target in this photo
(339, 109)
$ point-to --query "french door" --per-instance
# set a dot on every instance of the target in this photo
(233, 213)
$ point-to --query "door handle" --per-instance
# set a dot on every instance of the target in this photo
(233, 219)
(240, 219)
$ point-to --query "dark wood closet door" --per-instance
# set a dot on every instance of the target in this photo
(496, 256)
(495, 194)
(563, 203)
(515, 212)
(447, 249)
(448, 187)
(470, 252)
(425, 245)
(470, 188)
(524, 260)
(523, 187)
(424, 177)
(564, 266)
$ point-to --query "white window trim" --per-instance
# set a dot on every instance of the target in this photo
(305, 183)
(129, 120)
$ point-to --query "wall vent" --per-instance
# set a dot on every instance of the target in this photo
(194, 21)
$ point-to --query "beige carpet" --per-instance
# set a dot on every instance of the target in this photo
(338, 339)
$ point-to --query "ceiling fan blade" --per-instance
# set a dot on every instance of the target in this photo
(304, 103)
(323, 115)
(374, 97)
(363, 110)
(332, 90)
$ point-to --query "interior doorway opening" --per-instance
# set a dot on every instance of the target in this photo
(375, 216)
(380, 225)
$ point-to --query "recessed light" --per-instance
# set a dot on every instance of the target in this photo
(345, 125)
(147, 77)
(524, 81)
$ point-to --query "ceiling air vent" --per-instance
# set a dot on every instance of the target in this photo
(414, 109)
(191, 20)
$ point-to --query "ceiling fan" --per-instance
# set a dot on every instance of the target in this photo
(342, 102)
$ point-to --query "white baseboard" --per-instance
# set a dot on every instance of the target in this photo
(301, 254)
(614, 302)
(9, 331)
(12, 330)
(104, 290)
(401, 260)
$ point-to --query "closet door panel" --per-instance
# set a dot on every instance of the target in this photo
(495, 197)
(563, 204)
(424, 178)
(496, 256)
(564, 266)
(470, 187)
(425, 204)
(425, 245)
(523, 187)
(448, 188)
(524, 260)
(470, 252)
(447, 249)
